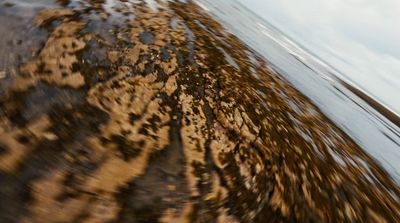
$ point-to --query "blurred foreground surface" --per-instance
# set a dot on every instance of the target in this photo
(129, 111)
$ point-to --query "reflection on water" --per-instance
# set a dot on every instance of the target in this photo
(136, 111)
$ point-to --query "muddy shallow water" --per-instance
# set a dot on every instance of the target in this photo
(126, 111)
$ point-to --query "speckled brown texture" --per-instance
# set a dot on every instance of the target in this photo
(140, 116)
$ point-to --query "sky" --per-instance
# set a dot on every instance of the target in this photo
(360, 38)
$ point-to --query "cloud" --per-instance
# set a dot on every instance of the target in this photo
(358, 37)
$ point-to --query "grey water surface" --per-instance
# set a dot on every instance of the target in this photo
(323, 82)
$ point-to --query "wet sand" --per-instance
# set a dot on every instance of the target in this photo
(122, 112)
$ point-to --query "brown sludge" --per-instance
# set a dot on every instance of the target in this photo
(147, 120)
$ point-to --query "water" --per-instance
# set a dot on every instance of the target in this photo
(359, 38)
(370, 129)
(172, 111)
